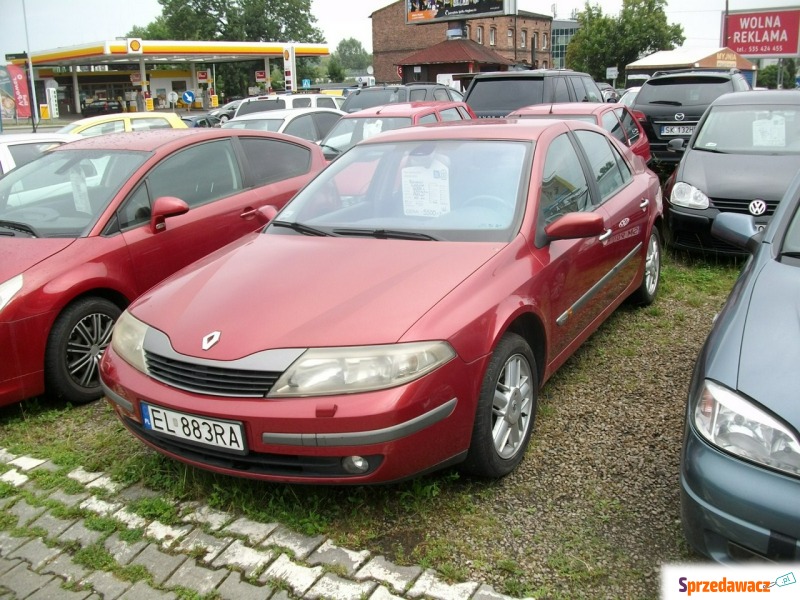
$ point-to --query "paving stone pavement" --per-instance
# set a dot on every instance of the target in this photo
(209, 554)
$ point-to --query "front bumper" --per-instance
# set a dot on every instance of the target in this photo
(690, 229)
(400, 432)
(733, 510)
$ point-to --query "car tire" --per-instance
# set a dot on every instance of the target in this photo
(651, 278)
(75, 346)
(506, 410)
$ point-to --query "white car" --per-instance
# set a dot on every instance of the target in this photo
(281, 101)
(308, 123)
(19, 148)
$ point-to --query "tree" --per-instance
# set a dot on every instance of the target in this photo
(336, 72)
(602, 41)
(352, 56)
(768, 76)
(157, 30)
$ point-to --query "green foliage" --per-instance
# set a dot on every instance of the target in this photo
(336, 71)
(603, 41)
(768, 76)
(352, 56)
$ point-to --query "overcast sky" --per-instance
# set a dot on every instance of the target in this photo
(55, 23)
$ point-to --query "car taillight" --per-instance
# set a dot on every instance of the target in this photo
(639, 115)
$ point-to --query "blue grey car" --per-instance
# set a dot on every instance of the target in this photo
(740, 462)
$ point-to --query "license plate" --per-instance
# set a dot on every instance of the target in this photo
(215, 433)
(677, 129)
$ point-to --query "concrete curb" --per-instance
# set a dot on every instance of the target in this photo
(210, 553)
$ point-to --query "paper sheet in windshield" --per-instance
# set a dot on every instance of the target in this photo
(426, 190)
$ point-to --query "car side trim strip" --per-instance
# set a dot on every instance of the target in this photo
(116, 398)
(564, 317)
(363, 438)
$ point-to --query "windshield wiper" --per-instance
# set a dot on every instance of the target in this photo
(670, 102)
(712, 150)
(17, 226)
(300, 228)
(333, 148)
(395, 234)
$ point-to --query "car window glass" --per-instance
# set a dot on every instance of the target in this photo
(564, 188)
(274, 160)
(579, 89)
(25, 153)
(593, 93)
(60, 193)
(750, 130)
(455, 94)
(150, 123)
(301, 103)
(326, 103)
(612, 125)
(302, 127)
(136, 210)
(683, 91)
(429, 118)
(628, 124)
(498, 94)
(463, 112)
(440, 94)
(603, 163)
(325, 122)
(103, 128)
(416, 94)
(560, 93)
(197, 175)
(450, 114)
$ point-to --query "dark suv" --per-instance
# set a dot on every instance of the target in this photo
(387, 94)
(498, 93)
(670, 104)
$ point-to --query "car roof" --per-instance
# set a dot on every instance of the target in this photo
(477, 129)
(530, 73)
(282, 113)
(404, 109)
(565, 108)
(24, 138)
(759, 97)
(154, 139)
(126, 115)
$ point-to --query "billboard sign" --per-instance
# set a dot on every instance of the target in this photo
(764, 34)
(14, 99)
(420, 12)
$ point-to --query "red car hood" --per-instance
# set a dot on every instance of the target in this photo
(285, 291)
(20, 254)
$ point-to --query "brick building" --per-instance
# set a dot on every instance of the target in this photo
(523, 39)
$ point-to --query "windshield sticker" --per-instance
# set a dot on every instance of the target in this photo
(770, 132)
(426, 190)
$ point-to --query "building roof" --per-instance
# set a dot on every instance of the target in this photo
(693, 57)
(453, 52)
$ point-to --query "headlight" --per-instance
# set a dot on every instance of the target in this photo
(736, 425)
(688, 196)
(329, 371)
(127, 340)
(8, 290)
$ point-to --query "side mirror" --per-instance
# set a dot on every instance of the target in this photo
(737, 229)
(163, 208)
(676, 145)
(575, 225)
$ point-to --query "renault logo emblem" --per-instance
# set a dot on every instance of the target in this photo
(680, 116)
(758, 207)
(211, 339)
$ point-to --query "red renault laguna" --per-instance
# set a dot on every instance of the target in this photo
(92, 224)
(400, 314)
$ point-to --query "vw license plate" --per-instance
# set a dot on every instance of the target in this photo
(215, 433)
(677, 129)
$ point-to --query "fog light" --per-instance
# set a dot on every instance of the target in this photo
(355, 465)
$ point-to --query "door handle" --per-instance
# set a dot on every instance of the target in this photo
(644, 203)
(249, 213)
(605, 236)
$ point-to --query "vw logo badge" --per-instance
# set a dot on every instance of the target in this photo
(680, 116)
(757, 207)
(211, 339)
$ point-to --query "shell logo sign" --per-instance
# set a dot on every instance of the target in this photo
(135, 46)
(289, 69)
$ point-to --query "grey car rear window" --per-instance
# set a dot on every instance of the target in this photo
(506, 94)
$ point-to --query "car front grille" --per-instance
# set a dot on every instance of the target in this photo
(742, 206)
(211, 380)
